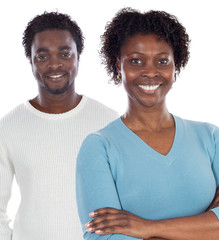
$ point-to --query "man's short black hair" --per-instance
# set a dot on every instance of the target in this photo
(50, 21)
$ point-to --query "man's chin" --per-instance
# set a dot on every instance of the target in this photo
(58, 90)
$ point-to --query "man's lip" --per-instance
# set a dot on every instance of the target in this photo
(56, 76)
(54, 73)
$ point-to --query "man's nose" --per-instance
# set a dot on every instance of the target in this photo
(55, 63)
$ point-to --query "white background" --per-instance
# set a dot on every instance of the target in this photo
(195, 94)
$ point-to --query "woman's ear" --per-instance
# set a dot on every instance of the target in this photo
(118, 66)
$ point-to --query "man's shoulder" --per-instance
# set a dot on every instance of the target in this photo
(12, 115)
(97, 104)
(94, 106)
(110, 131)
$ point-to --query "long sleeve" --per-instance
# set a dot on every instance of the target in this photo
(215, 165)
(95, 186)
(6, 178)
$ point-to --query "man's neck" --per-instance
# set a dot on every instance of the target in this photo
(56, 103)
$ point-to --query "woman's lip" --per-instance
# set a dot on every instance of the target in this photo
(148, 87)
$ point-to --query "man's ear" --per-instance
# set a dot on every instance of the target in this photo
(30, 60)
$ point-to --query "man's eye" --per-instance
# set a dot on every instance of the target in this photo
(66, 54)
(136, 61)
(41, 57)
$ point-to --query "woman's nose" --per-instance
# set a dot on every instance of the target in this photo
(149, 71)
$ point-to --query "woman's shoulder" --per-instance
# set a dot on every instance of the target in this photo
(197, 126)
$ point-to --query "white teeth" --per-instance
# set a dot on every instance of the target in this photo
(56, 76)
(149, 87)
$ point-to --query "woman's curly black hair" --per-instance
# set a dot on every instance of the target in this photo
(50, 21)
(129, 22)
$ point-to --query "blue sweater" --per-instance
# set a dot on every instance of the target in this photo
(115, 168)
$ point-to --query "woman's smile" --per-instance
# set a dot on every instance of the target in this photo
(149, 89)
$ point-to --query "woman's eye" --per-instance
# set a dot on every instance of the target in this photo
(136, 61)
(163, 61)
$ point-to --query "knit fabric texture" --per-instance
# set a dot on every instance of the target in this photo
(40, 150)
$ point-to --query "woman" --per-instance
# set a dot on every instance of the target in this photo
(149, 174)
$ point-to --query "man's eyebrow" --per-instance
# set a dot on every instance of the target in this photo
(47, 50)
(64, 48)
(42, 50)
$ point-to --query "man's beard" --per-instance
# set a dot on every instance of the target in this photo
(57, 91)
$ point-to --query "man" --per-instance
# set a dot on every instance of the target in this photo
(40, 139)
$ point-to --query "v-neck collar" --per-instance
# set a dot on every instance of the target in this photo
(165, 159)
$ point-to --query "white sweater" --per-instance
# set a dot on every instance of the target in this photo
(40, 149)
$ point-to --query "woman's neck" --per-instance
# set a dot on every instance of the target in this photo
(151, 119)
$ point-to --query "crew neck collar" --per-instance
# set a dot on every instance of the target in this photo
(57, 115)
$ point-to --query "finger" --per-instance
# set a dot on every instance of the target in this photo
(112, 230)
(120, 228)
(105, 218)
(123, 222)
(102, 211)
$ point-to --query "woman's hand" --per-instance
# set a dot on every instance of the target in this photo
(114, 221)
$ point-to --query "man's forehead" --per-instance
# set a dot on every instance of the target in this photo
(60, 39)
